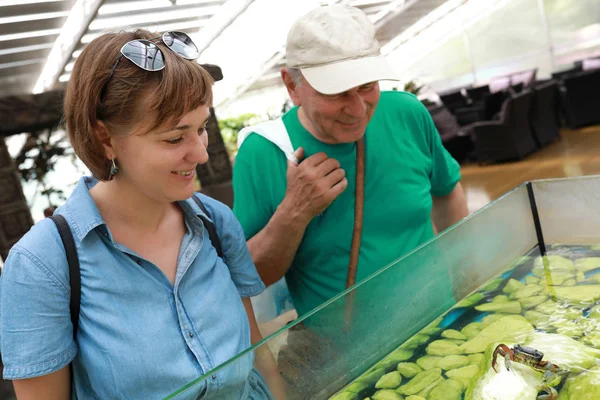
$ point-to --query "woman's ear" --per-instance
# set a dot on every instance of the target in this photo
(104, 137)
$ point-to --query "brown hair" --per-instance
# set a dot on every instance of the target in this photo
(133, 96)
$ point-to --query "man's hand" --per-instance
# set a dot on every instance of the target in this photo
(312, 185)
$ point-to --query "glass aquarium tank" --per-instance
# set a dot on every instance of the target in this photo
(504, 305)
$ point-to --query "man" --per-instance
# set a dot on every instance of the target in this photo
(299, 217)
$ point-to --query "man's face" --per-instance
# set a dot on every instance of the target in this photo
(339, 118)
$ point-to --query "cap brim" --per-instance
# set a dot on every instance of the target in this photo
(344, 75)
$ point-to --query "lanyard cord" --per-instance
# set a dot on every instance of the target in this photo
(358, 211)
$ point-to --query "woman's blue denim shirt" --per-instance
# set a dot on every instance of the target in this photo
(139, 337)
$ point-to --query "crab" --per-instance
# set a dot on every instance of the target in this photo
(553, 374)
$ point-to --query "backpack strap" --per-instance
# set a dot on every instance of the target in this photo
(210, 227)
(74, 274)
(275, 132)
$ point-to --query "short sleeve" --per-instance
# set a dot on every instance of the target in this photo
(445, 171)
(235, 250)
(36, 334)
(253, 203)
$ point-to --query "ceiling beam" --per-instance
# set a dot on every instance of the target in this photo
(34, 8)
(272, 61)
(220, 21)
(14, 28)
(390, 11)
(34, 41)
(80, 16)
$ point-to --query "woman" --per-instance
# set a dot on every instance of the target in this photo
(159, 308)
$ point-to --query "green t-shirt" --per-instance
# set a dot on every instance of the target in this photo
(405, 163)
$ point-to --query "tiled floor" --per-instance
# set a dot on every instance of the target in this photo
(576, 154)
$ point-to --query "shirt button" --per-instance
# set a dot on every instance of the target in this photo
(214, 377)
(191, 334)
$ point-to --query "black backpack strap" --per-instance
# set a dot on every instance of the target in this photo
(74, 274)
(210, 227)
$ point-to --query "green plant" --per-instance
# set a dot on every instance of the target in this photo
(38, 156)
(230, 127)
(412, 87)
(285, 107)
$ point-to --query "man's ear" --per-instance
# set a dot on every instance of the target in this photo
(103, 135)
(290, 85)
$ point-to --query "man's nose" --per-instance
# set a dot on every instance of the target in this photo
(357, 107)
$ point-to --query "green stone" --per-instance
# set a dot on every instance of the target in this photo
(530, 302)
(453, 362)
(386, 394)
(345, 396)
(416, 341)
(506, 327)
(492, 285)
(392, 360)
(587, 264)
(420, 382)
(454, 334)
(500, 299)
(464, 374)
(470, 301)
(475, 359)
(428, 362)
(513, 307)
(409, 370)
(525, 291)
(442, 348)
(532, 280)
(512, 285)
(579, 294)
(389, 381)
(446, 390)
(471, 330)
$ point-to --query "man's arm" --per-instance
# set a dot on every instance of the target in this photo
(449, 209)
(311, 186)
(274, 247)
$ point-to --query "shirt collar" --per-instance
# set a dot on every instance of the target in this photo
(80, 210)
(83, 215)
(190, 207)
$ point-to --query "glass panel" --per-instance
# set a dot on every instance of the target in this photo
(448, 62)
(337, 342)
(512, 39)
(574, 28)
(569, 210)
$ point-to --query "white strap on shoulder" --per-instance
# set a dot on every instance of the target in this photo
(275, 132)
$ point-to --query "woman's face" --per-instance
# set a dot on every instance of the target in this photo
(162, 163)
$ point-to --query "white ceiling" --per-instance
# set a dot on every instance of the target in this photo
(40, 40)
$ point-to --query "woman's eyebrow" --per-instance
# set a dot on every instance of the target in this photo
(185, 127)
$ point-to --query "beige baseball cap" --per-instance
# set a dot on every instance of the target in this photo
(336, 49)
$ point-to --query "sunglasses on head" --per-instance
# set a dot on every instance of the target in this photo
(146, 54)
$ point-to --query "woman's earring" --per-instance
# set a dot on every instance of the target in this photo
(114, 169)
